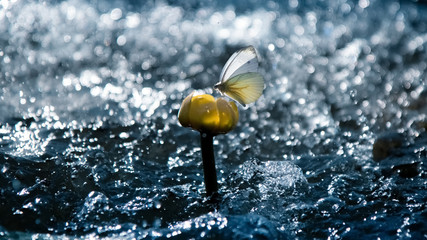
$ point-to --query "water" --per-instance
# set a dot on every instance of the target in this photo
(90, 144)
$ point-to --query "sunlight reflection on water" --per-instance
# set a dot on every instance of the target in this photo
(90, 145)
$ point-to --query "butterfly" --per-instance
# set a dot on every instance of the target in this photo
(240, 79)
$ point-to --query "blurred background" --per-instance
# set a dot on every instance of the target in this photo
(90, 144)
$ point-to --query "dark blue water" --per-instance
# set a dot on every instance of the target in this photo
(90, 144)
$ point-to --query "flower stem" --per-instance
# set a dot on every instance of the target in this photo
(208, 158)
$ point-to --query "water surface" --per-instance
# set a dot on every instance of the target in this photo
(90, 144)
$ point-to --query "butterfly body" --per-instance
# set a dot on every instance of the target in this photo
(240, 79)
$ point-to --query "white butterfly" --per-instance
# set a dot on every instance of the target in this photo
(240, 79)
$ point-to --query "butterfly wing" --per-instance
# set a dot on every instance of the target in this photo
(242, 61)
(245, 88)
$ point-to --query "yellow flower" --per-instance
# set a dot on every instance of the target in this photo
(207, 115)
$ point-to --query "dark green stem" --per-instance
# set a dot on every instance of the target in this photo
(208, 158)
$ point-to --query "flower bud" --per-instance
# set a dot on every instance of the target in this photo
(207, 115)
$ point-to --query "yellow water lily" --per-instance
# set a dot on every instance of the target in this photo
(206, 114)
